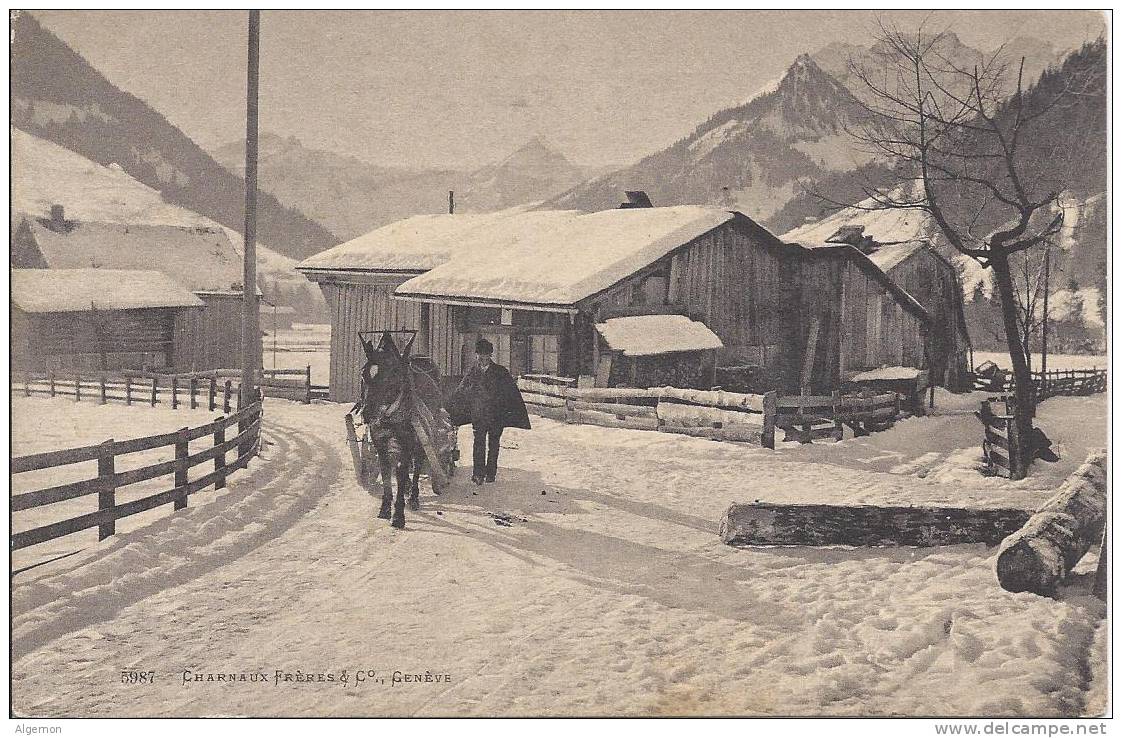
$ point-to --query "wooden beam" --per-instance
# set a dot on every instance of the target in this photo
(811, 349)
(763, 523)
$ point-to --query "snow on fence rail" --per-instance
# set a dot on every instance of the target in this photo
(108, 480)
(716, 414)
(216, 387)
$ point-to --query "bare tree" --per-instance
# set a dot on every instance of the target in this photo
(956, 136)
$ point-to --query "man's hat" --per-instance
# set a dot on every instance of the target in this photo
(483, 346)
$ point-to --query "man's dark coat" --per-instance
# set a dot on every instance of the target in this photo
(489, 399)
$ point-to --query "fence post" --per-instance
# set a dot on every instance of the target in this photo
(181, 467)
(896, 413)
(767, 438)
(174, 393)
(839, 431)
(128, 389)
(101, 385)
(220, 459)
(27, 384)
(804, 392)
(308, 384)
(154, 381)
(226, 397)
(194, 387)
(212, 388)
(77, 387)
(51, 381)
(107, 490)
(1017, 468)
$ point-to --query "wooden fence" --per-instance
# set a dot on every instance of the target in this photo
(108, 481)
(1056, 383)
(1001, 436)
(212, 389)
(716, 414)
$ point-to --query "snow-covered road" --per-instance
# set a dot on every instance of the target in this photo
(608, 594)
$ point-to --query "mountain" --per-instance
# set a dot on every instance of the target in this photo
(749, 157)
(45, 174)
(58, 96)
(534, 172)
(351, 197)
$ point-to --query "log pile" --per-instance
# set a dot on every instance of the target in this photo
(1039, 557)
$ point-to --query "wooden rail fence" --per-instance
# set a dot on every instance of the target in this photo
(1055, 383)
(1001, 436)
(109, 481)
(716, 414)
(212, 389)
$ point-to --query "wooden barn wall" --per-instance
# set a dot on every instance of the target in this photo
(130, 339)
(932, 282)
(358, 307)
(861, 325)
(732, 283)
(211, 337)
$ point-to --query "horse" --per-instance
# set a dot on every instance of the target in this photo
(401, 394)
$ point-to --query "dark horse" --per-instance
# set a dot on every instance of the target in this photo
(403, 413)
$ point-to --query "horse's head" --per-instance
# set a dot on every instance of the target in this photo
(385, 378)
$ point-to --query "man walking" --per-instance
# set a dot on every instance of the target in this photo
(489, 399)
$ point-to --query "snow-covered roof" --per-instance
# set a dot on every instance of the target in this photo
(202, 259)
(886, 373)
(74, 290)
(901, 232)
(647, 335)
(568, 260)
(423, 242)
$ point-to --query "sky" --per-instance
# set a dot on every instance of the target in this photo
(465, 88)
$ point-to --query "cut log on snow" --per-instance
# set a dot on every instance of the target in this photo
(765, 523)
(1041, 555)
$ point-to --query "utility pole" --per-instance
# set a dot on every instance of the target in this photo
(1044, 324)
(251, 334)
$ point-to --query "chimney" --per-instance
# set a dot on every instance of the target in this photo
(636, 199)
(58, 218)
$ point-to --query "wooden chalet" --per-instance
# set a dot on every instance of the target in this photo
(901, 245)
(199, 260)
(100, 319)
(546, 286)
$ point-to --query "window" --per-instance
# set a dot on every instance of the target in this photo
(544, 354)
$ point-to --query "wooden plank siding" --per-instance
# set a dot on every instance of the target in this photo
(863, 325)
(211, 338)
(731, 279)
(129, 339)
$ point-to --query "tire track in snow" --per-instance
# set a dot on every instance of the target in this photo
(184, 547)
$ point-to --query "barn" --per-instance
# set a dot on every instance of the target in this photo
(96, 319)
(538, 283)
(901, 244)
(200, 260)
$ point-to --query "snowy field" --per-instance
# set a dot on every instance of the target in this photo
(588, 581)
(305, 344)
(1055, 361)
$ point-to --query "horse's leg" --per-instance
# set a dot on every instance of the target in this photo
(387, 482)
(403, 463)
(414, 489)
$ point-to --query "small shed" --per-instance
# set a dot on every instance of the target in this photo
(200, 260)
(70, 319)
(903, 244)
(657, 351)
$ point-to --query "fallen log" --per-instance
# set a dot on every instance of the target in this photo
(1041, 555)
(765, 524)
